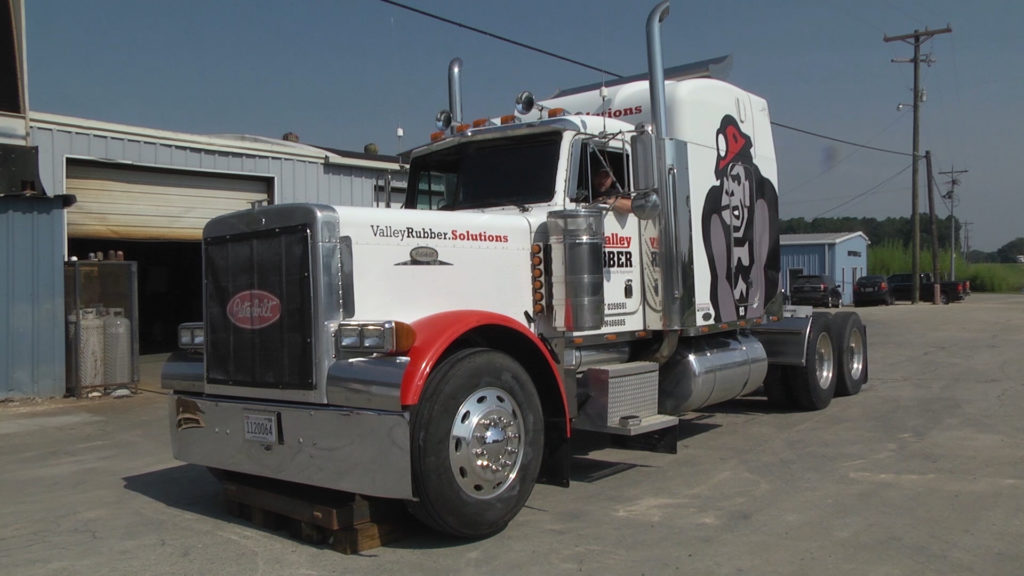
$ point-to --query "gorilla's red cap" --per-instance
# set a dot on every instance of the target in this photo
(733, 145)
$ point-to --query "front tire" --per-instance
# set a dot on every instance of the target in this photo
(477, 438)
(850, 346)
(814, 384)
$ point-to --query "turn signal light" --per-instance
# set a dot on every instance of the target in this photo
(537, 272)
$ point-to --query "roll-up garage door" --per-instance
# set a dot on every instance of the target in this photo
(128, 203)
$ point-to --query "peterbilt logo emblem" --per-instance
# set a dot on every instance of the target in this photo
(254, 309)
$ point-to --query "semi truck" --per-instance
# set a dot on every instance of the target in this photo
(446, 353)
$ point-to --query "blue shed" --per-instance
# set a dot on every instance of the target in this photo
(841, 255)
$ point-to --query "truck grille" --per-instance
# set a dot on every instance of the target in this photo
(259, 309)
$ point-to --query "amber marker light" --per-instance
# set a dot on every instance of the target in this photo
(405, 337)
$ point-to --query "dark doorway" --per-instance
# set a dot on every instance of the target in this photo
(170, 285)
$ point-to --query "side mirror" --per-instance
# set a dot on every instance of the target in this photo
(644, 177)
(646, 205)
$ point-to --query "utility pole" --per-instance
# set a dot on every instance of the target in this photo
(915, 39)
(951, 195)
(967, 240)
(935, 228)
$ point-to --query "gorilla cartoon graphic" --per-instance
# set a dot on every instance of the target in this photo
(740, 223)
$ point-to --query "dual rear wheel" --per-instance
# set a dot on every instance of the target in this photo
(835, 364)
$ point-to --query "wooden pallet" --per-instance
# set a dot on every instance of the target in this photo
(346, 522)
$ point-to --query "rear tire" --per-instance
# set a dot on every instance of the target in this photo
(477, 438)
(814, 383)
(850, 347)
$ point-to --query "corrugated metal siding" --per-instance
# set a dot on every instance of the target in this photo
(31, 297)
(831, 259)
(125, 203)
(848, 267)
(296, 180)
(809, 258)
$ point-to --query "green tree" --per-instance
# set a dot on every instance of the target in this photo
(1009, 251)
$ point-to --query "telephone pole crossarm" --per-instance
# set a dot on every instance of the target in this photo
(917, 34)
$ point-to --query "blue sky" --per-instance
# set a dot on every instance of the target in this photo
(343, 73)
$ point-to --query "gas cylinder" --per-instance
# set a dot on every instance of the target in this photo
(117, 359)
(90, 348)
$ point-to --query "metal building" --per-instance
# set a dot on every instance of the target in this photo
(31, 237)
(842, 255)
(106, 188)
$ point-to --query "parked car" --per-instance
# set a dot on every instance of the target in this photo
(871, 289)
(902, 285)
(815, 290)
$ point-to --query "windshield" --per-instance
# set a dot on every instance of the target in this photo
(477, 174)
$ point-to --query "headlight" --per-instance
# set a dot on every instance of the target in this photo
(386, 337)
(191, 336)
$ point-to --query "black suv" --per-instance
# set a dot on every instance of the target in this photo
(815, 290)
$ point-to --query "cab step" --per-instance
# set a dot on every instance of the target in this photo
(621, 399)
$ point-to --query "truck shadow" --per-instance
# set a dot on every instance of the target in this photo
(187, 487)
(755, 403)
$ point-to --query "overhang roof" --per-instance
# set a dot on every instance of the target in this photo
(822, 238)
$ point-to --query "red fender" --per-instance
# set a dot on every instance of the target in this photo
(435, 333)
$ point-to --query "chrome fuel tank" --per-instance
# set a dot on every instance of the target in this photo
(709, 370)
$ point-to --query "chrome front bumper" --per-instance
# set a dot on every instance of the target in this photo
(360, 451)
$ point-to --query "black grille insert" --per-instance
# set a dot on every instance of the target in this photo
(259, 309)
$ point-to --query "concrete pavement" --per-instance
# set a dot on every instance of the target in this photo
(922, 473)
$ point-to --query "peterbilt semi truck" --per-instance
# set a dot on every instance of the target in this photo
(445, 354)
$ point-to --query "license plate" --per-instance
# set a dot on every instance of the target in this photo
(260, 427)
(869, 289)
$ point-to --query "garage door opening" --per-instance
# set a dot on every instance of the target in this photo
(170, 290)
(155, 216)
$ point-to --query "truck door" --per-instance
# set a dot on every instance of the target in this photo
(623, 291)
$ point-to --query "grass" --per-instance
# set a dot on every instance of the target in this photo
(990, 277)
(893, 257)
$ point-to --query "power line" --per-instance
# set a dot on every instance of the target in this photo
(793, 189)
(866, 192)
(841, 141)
(602, 70)
(497, 37)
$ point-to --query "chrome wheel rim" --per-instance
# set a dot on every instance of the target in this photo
(824, 361)
(855, 355)
(484, 449)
